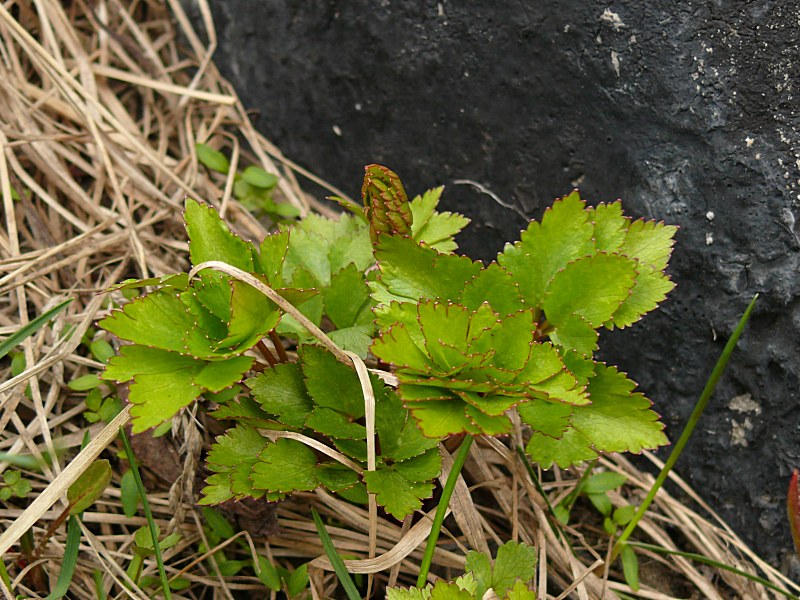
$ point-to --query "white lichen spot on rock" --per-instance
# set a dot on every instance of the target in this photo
(609, 16)
(739, 432)
(744, 403)
(709, 238)
(615, 62)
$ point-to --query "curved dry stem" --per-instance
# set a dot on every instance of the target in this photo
(274, 434)
(282, 303)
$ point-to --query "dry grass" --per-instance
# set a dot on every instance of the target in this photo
(101, 104)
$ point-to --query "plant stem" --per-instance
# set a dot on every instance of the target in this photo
(715, 563)
(262, 348)
(441, 509)
(702, 402)
(276, 341)
(162, 573)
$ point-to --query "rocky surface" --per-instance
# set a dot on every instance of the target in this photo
(686, 111)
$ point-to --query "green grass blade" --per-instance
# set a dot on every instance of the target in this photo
(70, 560)
(711, 562)
(441, 509)
(8, 344)
(336, 560)
(162, 574)
(694, 418)
(4, 575)
(99, 590)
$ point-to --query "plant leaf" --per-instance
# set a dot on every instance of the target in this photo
(281, 391)
(400, 438)
(356, 339)
(285, 466)
(435, 229)
(272, 253)
(598, 483)
(480, 565)
(232, 457)
(89, 486)
(335, 424)
(630, 567)
(253, 315)
(617, 420)
(160, 320)
(336, 477)
(212, 159)
(514, 561)
(396, 494)
(129, 494)
(258, 177)
(564, 234)
(211, 239)
(332, 384)
(650, 243)
(650, 289)
(410, 272)
(164, 382)
(549, 418)
(592, 287)
(610, 226)
(347, 300)
(495, 286)
(520, 591)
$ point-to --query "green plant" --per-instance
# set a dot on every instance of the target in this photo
(252, 186)
(320, 264)
(14, 485)
(509, 576)
(468, 344)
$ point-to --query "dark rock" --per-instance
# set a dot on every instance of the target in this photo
(684, 110)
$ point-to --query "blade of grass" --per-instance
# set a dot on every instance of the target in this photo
(719, 565)
(336, 560)
(70, 560)
(694, 418)
(4, 574)
(8, 344)
(162, 574)
(441, 509)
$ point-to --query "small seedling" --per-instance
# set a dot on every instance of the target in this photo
(510, 576)
(14, 485)
(253, 186)
(143, 548)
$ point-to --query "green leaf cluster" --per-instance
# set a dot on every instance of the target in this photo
(189, 338)
(332, 257)
(320, 398)
(253, 186)
(471, 342)
(510, 577)
(14, 485)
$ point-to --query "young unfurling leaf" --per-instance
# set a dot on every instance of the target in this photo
(385, 202)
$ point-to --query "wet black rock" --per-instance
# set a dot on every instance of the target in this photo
(686, 111)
